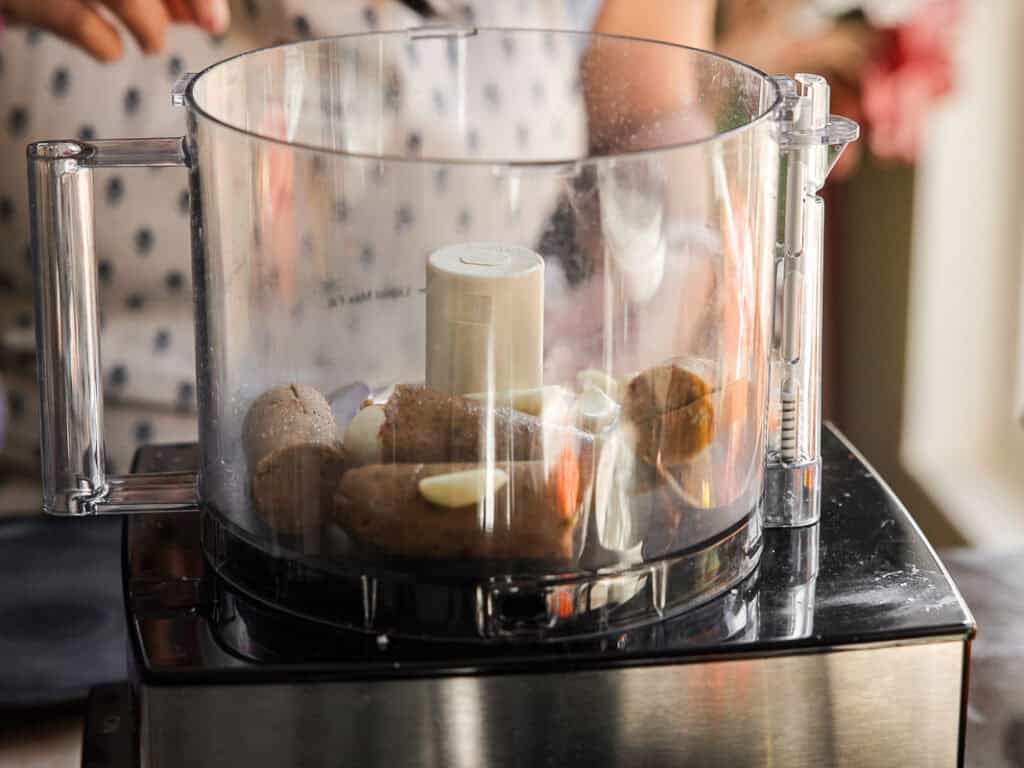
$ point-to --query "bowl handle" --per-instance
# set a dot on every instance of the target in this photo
(75, 481)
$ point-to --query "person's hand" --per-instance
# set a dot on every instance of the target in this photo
(90, 24)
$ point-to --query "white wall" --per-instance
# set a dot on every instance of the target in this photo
(962, 437)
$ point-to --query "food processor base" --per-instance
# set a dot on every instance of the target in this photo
(847, 646)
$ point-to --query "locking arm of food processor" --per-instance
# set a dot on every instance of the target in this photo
(75, 481)
(810, 141)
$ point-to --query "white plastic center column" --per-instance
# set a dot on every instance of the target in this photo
(485, 318)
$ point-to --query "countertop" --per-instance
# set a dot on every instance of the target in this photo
(993, 586)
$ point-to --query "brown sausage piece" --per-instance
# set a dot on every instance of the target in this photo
(424, 425)
(291, 445)
(671, 413)
(293, 488)
(533, 514)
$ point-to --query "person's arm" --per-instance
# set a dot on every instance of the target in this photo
(687, 22)
(86, 23)
(621, 83)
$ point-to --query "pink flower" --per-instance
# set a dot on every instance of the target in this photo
(910, 71)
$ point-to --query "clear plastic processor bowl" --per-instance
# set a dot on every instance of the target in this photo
(478, 355)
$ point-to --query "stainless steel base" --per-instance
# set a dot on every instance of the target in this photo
(847, 646)
(871, 706)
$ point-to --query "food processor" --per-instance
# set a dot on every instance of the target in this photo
(539, 481)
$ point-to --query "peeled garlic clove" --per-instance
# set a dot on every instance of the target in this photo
(460, 489)
(362, 440)
(591, 377)
(531, 401)
(595, 410)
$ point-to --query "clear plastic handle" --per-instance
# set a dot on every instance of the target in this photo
(75, 481)
(810, 140)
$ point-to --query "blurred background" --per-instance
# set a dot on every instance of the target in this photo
(929, 363)
(923, 346)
